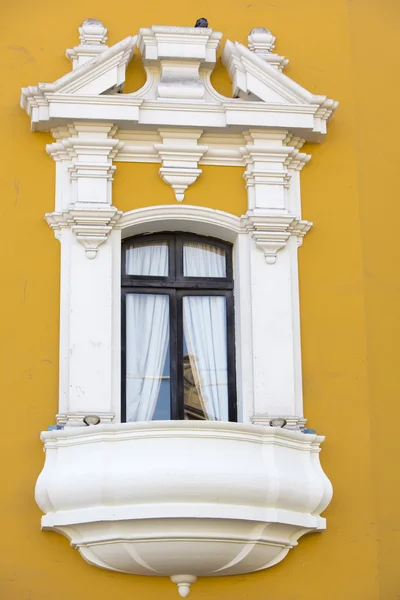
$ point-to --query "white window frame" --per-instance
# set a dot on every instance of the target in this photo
(262, 128)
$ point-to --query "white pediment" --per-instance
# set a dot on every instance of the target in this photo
(178, 91)
(251, 74)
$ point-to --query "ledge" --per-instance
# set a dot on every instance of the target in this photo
(173, 497)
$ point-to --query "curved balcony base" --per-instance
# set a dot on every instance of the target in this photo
(182, 500)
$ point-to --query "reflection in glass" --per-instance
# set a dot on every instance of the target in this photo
(203, 260)
(163, 407)
(205, 362)
(147, 368)
(147, 258)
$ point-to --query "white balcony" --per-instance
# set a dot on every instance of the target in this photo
(180, 498)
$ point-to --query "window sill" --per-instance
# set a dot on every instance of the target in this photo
(174, 497)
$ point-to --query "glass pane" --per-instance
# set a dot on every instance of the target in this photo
(147, 258)
(147, 357)
(203, 260)
(163, 406)
(205, 361)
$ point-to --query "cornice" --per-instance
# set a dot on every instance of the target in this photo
(131, 112)
(178, 92)
(171, 429)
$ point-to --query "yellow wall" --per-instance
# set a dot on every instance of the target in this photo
(349, 278)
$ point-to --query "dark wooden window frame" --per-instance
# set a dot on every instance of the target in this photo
(176, 286)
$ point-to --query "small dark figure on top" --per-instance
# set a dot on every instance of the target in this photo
(201, 23)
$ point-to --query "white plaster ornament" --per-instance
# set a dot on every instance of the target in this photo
(155, 518)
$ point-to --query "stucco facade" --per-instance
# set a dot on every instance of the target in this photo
(348, 290)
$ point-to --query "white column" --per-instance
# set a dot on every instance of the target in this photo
(274, 225)
(90, 272)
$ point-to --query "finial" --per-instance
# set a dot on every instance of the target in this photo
(92, 31)
(183, 582)
(201, 23)
(261, 41)
(93, 38)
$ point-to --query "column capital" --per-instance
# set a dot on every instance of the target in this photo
(84, 155)
(270, 164)
(92, 227)
(271, 232)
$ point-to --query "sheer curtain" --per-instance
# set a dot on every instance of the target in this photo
(147, 336)
(203, 260)
(147, 259)
(204, 324)
(147, 333)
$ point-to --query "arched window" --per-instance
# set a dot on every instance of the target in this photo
(178, 343)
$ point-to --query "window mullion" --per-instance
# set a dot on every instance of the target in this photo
(231, 358)
(180, 380)
(173, 355)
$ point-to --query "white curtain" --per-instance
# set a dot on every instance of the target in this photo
(203, 260)
(147, 336)
(147, 332)
(147, 259)
(204, 325)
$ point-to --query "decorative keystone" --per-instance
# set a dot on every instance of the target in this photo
(180, 155)
(179, 179)
(262, 43)
(183, 582)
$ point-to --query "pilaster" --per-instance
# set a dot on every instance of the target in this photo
(274, 224)
(83, 221)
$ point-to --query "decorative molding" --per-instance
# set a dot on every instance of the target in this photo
(262, 42)
(93, 38)
(178, 53)
(179, 154)
(271, 232)
(183, 583)
(178, 91)
(91, 227)
(293, 422)
(71, 419)
(252, 75)
(214, 524)
(177, 119)
(100, 74)
(180, 217)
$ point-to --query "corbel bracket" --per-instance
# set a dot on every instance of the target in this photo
(91, 227)
(272, 232)
(179, 155)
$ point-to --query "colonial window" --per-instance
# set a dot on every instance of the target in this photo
(177, 329)
(167, 494)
